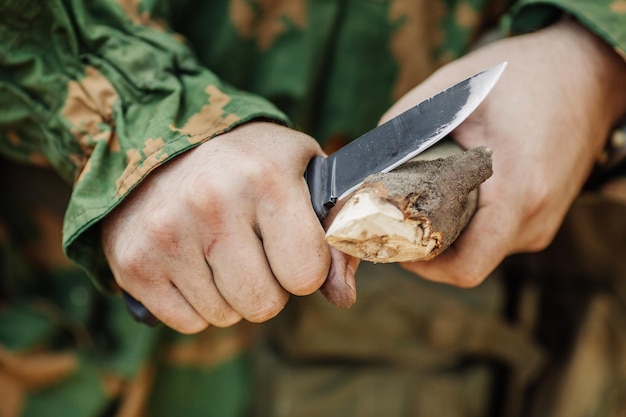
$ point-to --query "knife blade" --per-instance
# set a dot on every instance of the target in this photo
(382, 149)
(387, 146)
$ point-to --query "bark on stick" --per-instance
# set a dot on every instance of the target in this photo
(415, 212)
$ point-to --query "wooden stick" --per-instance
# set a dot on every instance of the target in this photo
(415, 212)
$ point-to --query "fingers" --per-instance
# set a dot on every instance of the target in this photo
(177, 313)
(195, 281)
(188, 289)
(138, 273)
(243, 276)
(293, 240)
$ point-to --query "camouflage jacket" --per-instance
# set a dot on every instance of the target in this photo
(104, 92)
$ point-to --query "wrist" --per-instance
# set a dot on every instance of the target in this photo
(608, 71)
(603, 66)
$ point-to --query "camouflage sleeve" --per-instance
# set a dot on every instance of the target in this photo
(606, 18)
(104, 94)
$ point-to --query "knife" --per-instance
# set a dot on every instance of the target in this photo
(382, 149)
(391, 144)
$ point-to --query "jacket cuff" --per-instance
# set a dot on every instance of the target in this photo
(605, 18)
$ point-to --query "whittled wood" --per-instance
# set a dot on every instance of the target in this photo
(415, 212)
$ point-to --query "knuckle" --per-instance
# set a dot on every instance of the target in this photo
(542, 241)
(221, 315)
(160, 230)
(308, 279)
(310, 272)
(268, 309)
(129, 265)
(139, 259)
(537, 201)
(190, 327)
(202, 191)
(251, 170)
(226, 320)
(467, 279)
(175, 314)
(267, 171)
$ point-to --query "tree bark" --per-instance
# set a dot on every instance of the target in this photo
(415, 212)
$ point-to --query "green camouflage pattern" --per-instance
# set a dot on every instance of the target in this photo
(94, 95)
(68, 349)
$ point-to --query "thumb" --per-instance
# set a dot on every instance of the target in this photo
(340, 285)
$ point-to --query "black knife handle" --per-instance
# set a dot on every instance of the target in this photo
(138, 311)
(321, 181)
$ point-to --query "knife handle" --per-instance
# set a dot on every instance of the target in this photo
(321, 181)
(138, 311)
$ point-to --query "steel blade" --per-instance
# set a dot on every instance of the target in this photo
(396, 141)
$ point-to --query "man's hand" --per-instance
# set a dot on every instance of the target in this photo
(225, 231)
(546, 122)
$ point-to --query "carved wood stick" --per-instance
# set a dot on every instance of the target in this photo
(414, 212)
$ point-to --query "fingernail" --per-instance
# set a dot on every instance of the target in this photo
(339, 288)
(350, 275)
